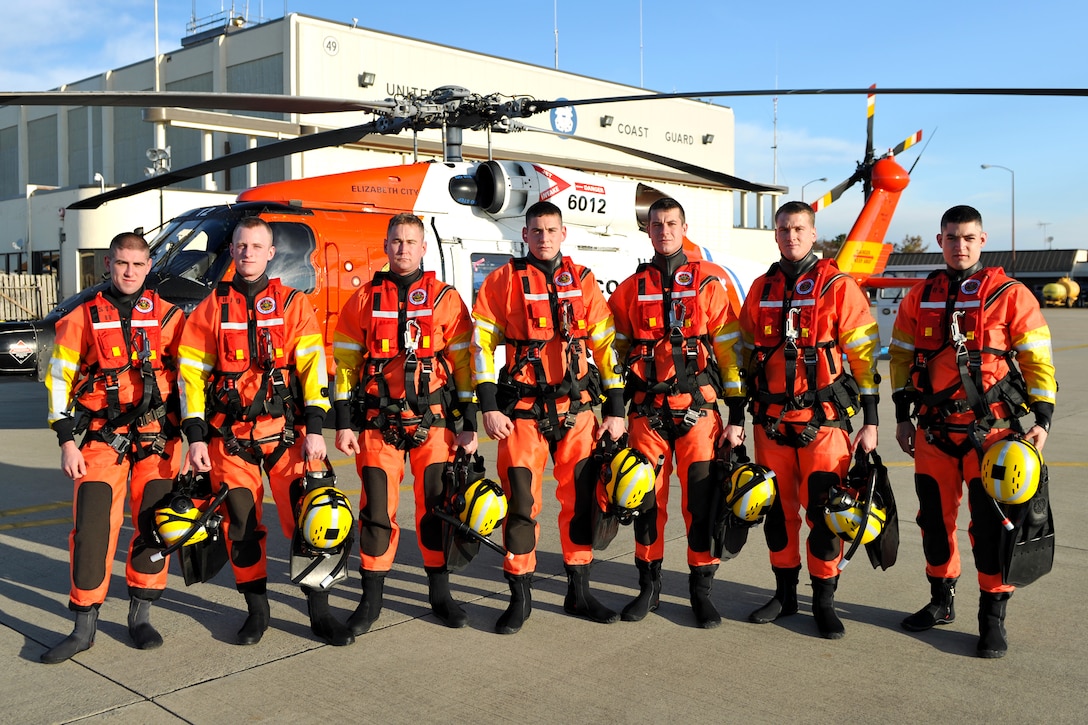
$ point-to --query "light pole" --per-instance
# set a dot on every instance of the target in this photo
(1012, 267)
(822, 178)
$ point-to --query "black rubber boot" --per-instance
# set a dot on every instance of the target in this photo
(81, 638)
(322, 623)
(992, 642)
(784, 601)
(447, 610)
(823, 608)
(649, 595)
(700, 582)
(580, 601)
(370, 603)
(940, 610)
(144, 636)
(521, 603)
(257, 622)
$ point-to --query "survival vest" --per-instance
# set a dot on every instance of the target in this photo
(123, 344)
(253, 341)
(790, 320)
(985, 381)
(554, 308)
(670, 352)
(393, 332)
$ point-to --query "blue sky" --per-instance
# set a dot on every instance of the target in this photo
(699, 46)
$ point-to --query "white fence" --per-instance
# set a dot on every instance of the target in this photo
(27, 296)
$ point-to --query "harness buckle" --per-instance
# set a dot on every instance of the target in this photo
(115, 440)
(691, 417)
(232, 446)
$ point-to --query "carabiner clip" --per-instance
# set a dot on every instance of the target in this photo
(677, 315)
(793, 316)
(954, 331)
(411, 340)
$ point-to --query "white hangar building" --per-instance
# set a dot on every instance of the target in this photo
(53, 156)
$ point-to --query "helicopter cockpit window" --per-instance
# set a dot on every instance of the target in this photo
(193, 249)
(295, 245)
(483, 265)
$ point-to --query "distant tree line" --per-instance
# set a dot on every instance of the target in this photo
(828, 248)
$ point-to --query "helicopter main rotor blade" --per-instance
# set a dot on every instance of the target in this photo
(229, 101)
(731, 182)
(325, 139)
(531, 107)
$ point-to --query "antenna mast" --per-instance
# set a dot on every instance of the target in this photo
(555, 12)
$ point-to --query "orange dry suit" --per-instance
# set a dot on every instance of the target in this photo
(799, 322)
(552, 317)
(679, 338)
(403, 377)
(253, 371)
(112, 376)
(970, 354)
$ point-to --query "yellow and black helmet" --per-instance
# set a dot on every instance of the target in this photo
(1011, 469)
(752, 490)
(325, 518)
(845, 515)
(482, 506)
(175, 520)
(629, 478)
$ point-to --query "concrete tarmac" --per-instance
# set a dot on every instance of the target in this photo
(410, 668)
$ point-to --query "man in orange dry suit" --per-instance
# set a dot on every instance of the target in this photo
(112, 375)
(999, 319)
(799, 320)
(403, 376)
(551, 316)
(256, 347)
(678, 334)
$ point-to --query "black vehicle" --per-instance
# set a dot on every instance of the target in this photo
(188, 259)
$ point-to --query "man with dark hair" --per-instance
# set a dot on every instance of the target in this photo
(112, 375)
(800, 320)
(403, 377)
(551, 316)
(679, 338)
(970, 355)
(254, 383)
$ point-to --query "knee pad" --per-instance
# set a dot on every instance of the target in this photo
(822, 541)
(243, 515)
(585, 500)
(430, 527)
(645, 524)
(986, 529)
(92, 538)
(931, 520)
(375, 528)
(700, 489)
(520, 526)
(774, 528)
